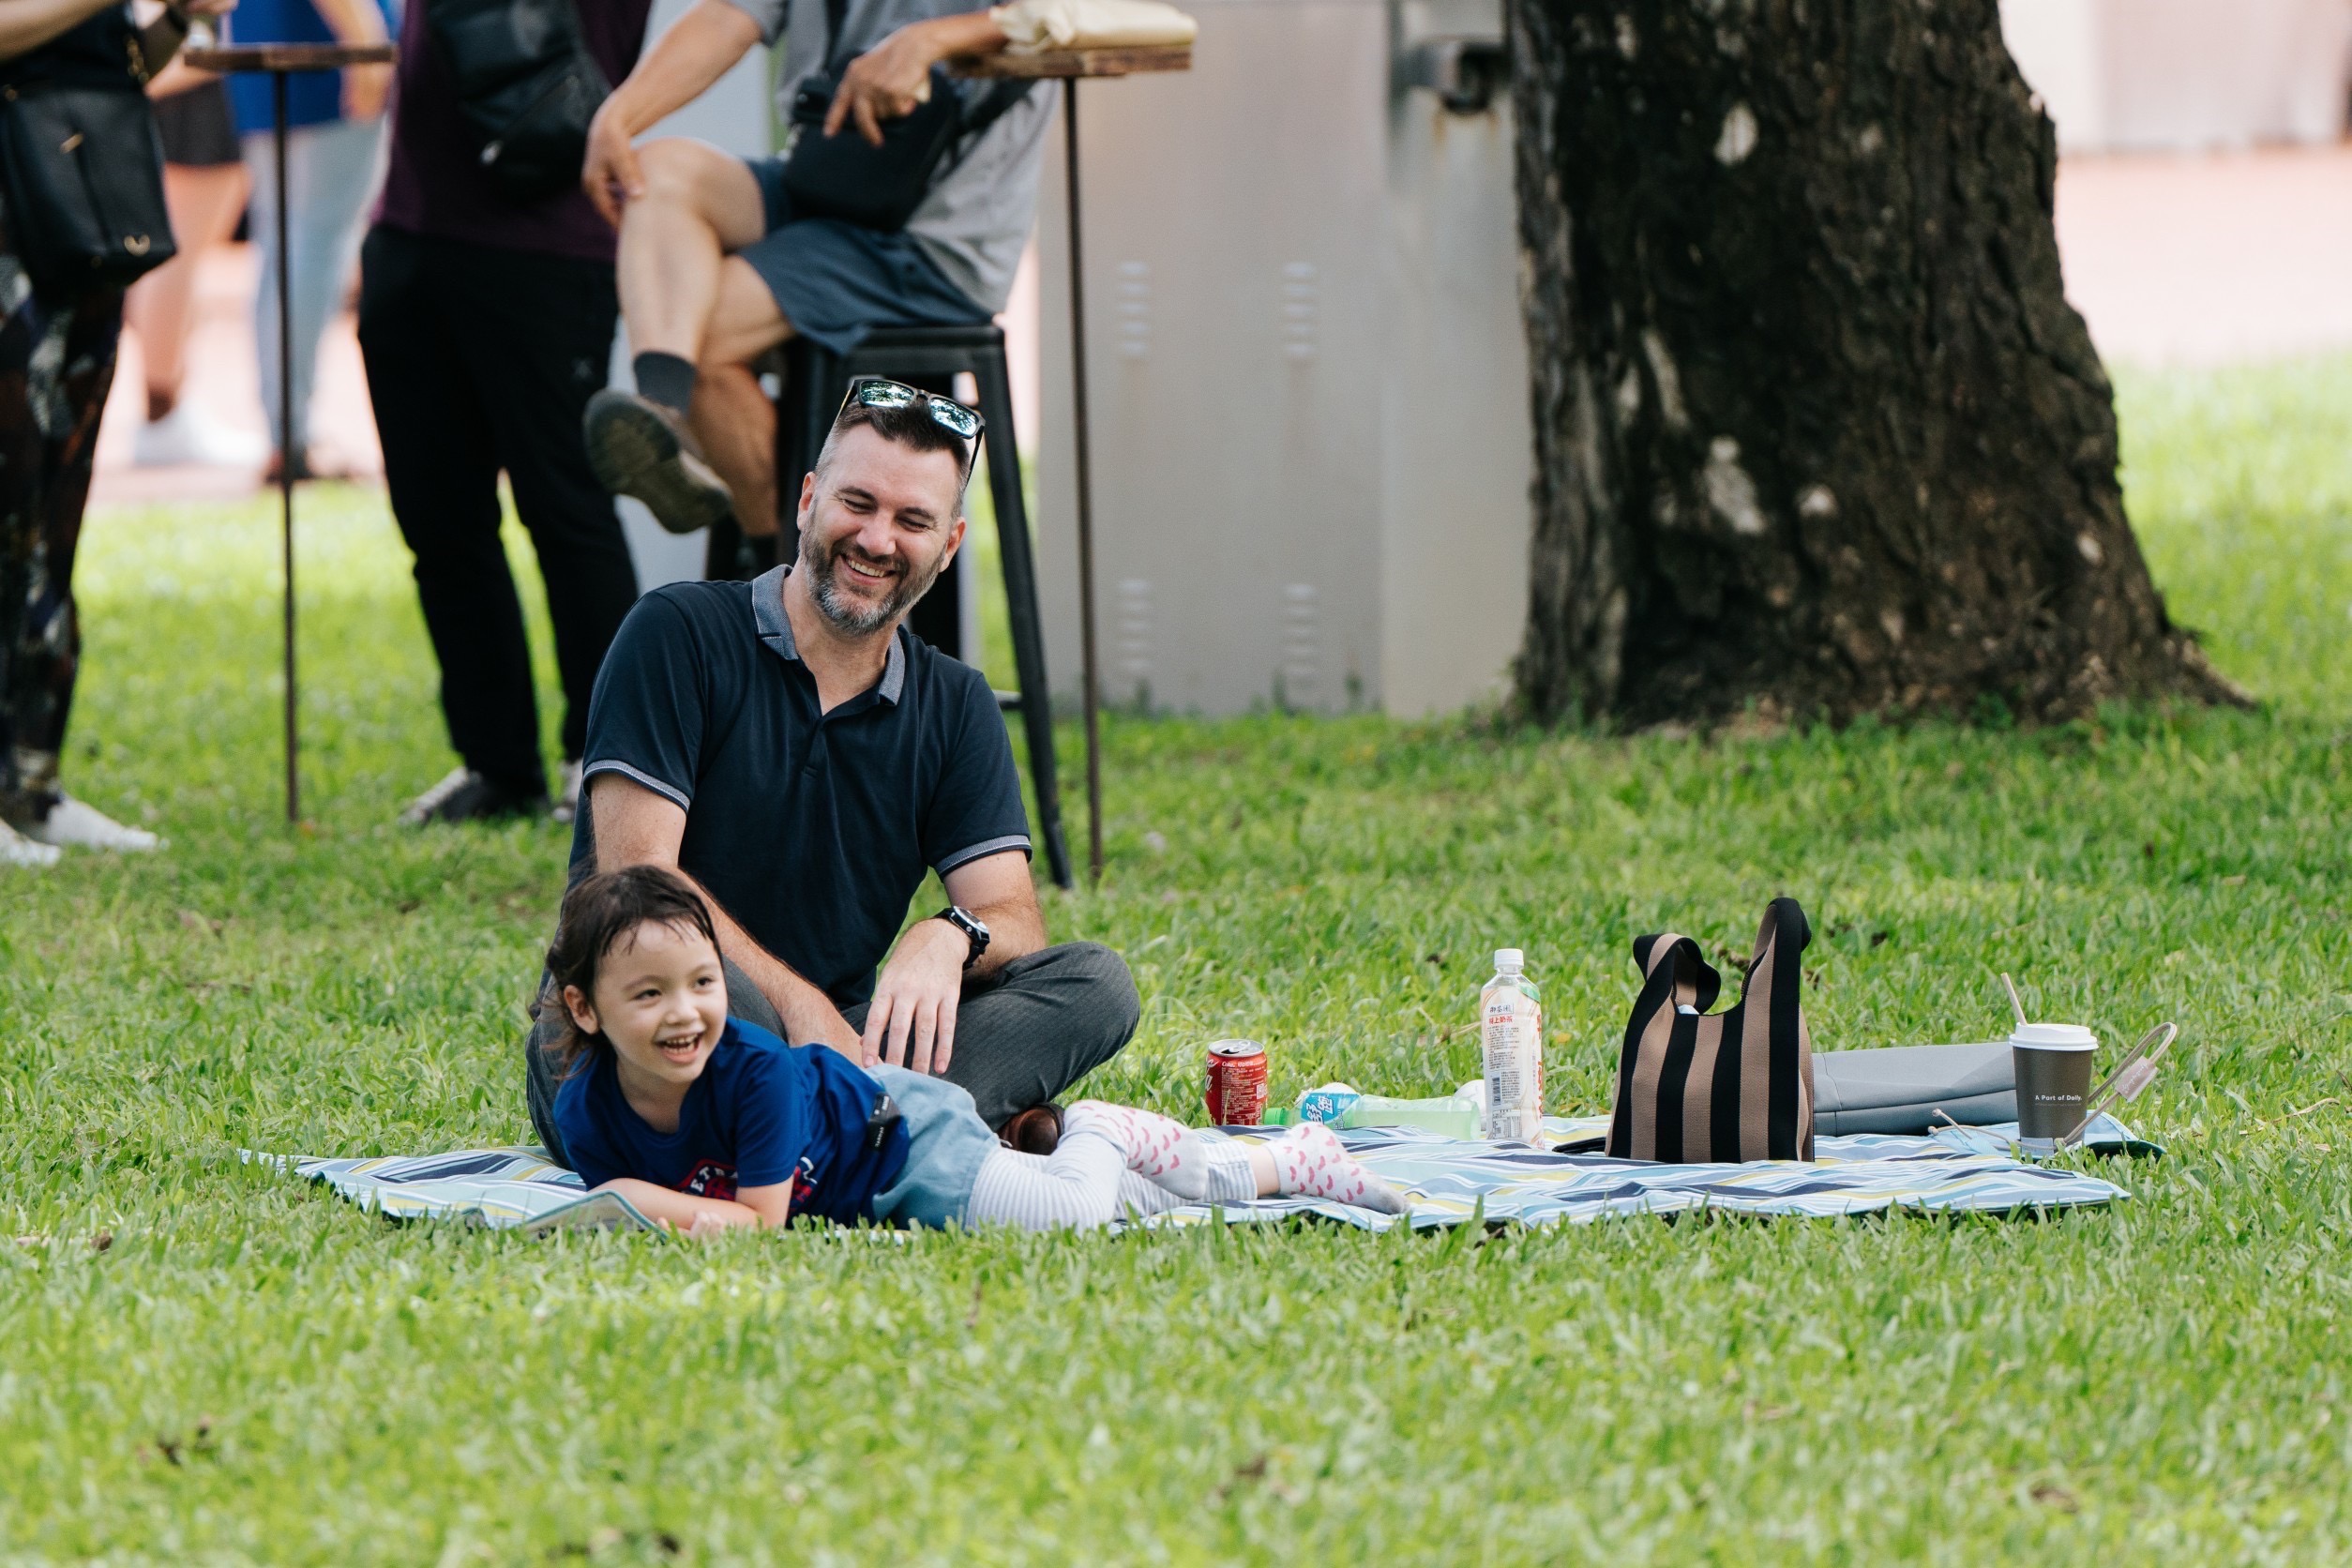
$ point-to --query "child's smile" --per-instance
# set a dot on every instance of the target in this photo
(661, 1001)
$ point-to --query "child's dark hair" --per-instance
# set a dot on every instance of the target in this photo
(599, 911)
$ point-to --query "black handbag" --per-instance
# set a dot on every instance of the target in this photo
(82, 172)
(847, 177)
(527, 87)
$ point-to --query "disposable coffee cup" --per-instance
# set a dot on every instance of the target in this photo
(2053, 1063)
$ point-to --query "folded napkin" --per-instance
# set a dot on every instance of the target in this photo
(1036, 25)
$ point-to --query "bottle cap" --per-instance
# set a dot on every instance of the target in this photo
(1509, 958)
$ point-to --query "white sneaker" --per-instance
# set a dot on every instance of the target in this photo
(17, 849)
(77, 824)
(566, 804)
(187, 436)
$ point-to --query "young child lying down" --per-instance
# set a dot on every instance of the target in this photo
(702, 1121)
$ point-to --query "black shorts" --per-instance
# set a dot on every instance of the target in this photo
(835, 281)
(198, 129)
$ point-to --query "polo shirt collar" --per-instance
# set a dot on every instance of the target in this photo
(776, 630)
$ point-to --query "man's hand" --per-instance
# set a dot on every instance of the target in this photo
(886, 82)
(610, 175)
(911, 1022)
(889, 80)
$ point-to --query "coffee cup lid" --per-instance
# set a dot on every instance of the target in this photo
(2054, 1036)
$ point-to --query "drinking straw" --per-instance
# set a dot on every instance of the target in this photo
(2014, 1002)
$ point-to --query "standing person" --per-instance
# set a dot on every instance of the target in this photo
(58, 346)
(205, 188)
(718, 267)
(334, 157)
(805, 760)
(486, 324)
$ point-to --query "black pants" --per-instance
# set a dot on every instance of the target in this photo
(56, 362)
(1030, 1030)
(481, 359)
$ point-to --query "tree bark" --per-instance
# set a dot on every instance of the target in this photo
(1817, 431)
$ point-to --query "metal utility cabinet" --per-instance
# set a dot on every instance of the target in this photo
(1309, 384)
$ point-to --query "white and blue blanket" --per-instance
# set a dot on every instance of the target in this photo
(1954, 1170)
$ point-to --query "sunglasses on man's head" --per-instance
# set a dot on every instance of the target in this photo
(947, 413)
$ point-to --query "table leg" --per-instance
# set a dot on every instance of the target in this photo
(1092, 695)
(285, 439)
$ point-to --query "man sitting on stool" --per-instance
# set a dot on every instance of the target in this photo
(787, 746)
(716, 268)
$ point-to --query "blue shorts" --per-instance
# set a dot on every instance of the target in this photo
(835, 282)
(946, 1141)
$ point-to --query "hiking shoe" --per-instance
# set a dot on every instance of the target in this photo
(566, 804)
(17, 849)
(1034, 1131)
(639, 449)
(72, 823)
(467, 796)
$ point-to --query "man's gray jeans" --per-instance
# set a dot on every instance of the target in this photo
(1027, 1032)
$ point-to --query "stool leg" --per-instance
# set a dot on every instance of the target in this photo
(1020, 602)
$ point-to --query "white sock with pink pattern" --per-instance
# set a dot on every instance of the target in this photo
(1311, 1162)
(1164, 1152)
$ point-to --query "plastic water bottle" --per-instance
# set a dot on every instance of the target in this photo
(1512, 1010)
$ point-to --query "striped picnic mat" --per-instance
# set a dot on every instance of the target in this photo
(1956, 1171)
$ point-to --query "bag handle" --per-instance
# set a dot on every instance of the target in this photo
(1694, 981)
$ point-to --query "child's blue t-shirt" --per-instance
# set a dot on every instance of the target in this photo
(762, 1112)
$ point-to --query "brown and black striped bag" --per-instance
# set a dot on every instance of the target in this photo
(1700, 1088)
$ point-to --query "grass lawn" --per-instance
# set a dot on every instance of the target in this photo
(252, 1371)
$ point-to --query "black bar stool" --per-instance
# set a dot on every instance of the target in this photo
(815, 380)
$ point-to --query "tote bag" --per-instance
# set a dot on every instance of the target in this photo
(1695, 1087)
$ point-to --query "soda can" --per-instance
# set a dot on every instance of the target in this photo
(1237, 1083)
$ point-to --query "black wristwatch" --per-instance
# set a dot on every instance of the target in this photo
(968, 922)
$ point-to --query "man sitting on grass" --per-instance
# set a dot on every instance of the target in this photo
(804, 761)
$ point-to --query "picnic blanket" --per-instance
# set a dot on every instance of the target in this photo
(1450, 1180)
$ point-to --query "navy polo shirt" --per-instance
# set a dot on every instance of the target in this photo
(813, 829)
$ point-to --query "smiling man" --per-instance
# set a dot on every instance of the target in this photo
(805, 760)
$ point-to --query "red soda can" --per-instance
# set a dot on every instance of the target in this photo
(1237, 1083)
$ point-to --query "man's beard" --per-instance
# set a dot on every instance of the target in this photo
(848, 618)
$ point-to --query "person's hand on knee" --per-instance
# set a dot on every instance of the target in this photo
(609, 173)
(911, 1022)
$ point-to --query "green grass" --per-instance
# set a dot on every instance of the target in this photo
(254, 1372)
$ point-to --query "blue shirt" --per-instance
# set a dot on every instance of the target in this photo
(813, 829)
(312, 97)
(763, 1112)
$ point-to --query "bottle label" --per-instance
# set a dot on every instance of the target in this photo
(1514, 1062)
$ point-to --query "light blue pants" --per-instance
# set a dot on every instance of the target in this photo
(333, 170)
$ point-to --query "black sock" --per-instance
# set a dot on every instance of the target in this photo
(665, 378)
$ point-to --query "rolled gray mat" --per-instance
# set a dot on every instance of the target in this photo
(1899, 1089)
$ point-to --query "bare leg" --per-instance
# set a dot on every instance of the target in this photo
(204, 205)
(736, 425)
(700, 203)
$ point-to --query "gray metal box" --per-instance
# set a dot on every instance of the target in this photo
(1309, 386)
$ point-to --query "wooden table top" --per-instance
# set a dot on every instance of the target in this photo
(290, 56)
(1075, 62)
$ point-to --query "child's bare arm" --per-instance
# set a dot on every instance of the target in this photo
(752, 1206)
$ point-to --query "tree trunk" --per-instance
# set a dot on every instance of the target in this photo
(1816, 430)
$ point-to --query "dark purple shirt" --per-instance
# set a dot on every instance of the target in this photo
(437, 185)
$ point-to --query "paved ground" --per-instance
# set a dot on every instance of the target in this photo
(2195, 260)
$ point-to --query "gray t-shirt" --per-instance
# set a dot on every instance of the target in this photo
(976, 220)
